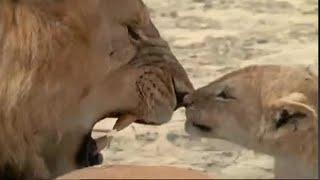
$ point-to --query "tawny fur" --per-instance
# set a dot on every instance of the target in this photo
(271, 109)
(61, 69)
(136, 172)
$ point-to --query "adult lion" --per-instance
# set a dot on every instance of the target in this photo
(64, 65)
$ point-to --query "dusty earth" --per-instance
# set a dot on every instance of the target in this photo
(211, 38)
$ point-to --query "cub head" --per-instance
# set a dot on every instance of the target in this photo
(255, 106)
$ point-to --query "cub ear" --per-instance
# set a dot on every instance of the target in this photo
(292, 109)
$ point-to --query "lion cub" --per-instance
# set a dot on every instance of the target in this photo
(271, 109)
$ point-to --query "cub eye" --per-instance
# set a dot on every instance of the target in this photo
(225, 95)
(286, 118)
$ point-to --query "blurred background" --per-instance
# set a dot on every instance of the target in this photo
(211, 38)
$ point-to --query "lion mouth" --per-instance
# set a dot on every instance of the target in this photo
(141, 121)
(202, 127)
(90, 154)
(126, 120)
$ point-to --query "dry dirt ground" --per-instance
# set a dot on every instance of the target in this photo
(211, 38)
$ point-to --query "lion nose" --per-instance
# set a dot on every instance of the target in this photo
(187, 100)
(180, 99)
(182, 86)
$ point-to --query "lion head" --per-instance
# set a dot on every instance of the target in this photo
(65, 66)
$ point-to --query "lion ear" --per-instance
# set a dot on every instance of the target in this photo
(292, 109)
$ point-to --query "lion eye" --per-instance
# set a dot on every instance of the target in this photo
(225, 95)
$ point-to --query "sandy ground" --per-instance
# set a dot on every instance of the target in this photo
(210, 38)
